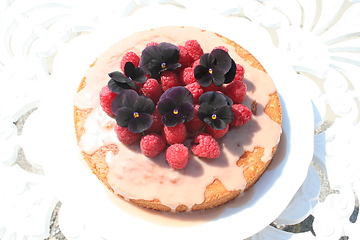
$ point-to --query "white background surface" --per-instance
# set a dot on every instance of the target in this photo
(318, 40)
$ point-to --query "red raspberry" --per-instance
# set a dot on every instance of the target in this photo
(195, 63)
(187, 76)
(157, 125)
(216, 133)
(177, 156)
(222, 48)
(212, 87)
(236, 90)
(176, 134)
(195, 90)
(239, 75)
(169, 79)
(152, 145)
(194, 124)
(194, 49)
(125, 135)
(205, 146)
(184, 58)
(152, 89)
(129, 57)
(151, 44)
(242, 115)
(106, 99)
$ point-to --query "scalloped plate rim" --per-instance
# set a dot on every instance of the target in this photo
(299, 141)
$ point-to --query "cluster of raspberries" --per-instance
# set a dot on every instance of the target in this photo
(159, 137)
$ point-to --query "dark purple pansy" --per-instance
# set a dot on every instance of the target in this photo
(158, 58)
(215, 109)
(131, 76)
(216, 67)
(133, 110)
(176, 105)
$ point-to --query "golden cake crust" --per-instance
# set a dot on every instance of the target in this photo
(215, 194)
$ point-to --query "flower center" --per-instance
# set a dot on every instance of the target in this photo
(213, 117)
(163, 65)
(210, 70)
(136, 115)
(175, 111)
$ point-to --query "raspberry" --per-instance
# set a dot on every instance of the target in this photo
(184, 58)
(169, 79)
(177, 156)
(222, 48)
(194, 124)
(212, 87)
(195, 63)
(151, 44)
(236, 90)
(176, 134)
(187, 76)
(152, 145)
(129, 57)
(152, 89)
(125, 135)
(194, 49)
(195, 90)
(157, 125)
(216, 133)
(242, 115)
(106, 99)
(205, 146)
(239, 75)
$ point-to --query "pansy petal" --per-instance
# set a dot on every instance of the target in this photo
(223, 60)
(172, 66)
(180, 94)
(117, 87)
(169, 52)
(154, 68)
(139, 76)
(200, 71)
(123, 116)
(132, 84)
(225, 113)
(187, 110)
(205, 97)
(218, 78)
(208, 121)
(129, 69)
(144, 105)
(207, 60)
(219, 124)
(126, 98)
(148, 54)
(229, 76)
(218, 100)
(229, 101)
(118, 77)
(206, 80)
(140, 123)
(166, 105)
(215, 99)
(170, 119)
(205, 110)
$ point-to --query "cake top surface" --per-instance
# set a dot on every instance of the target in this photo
(134, 175)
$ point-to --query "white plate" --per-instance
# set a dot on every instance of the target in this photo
(78, 187)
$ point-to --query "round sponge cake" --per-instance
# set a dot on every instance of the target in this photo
(245, 151)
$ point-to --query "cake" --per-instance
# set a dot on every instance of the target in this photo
(149, 162)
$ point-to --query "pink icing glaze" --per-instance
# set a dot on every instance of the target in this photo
(135, 176)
